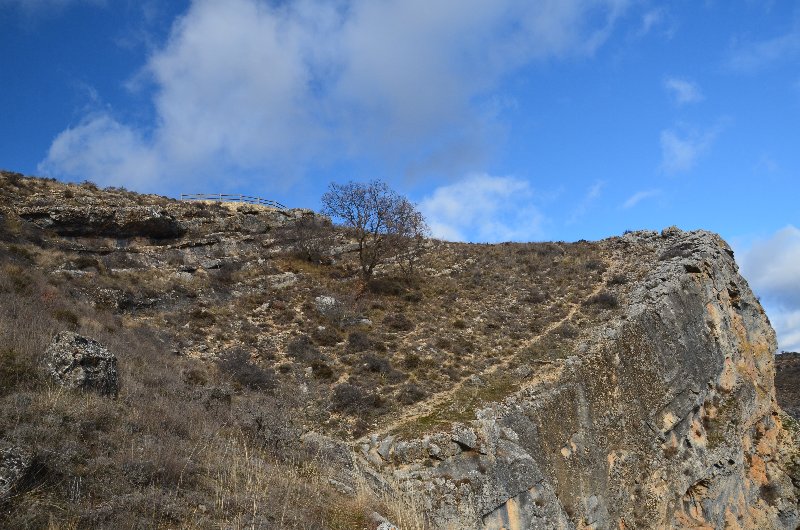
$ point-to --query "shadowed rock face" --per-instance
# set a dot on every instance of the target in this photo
(787, 382)
(96, 220)
(667, 418)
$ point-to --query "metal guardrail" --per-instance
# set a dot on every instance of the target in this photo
(224, 197)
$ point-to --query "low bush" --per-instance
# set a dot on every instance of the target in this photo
(358, 341)
(303, 350)
(375, 363)
(237, 365)
(398, 322)
(410, 394)
(352, 399)
(617, 279)
(604, 300)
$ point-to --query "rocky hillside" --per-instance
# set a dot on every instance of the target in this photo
(625, 383)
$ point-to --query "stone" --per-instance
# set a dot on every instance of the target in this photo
(281, 281)
(325, 304)
(15, 465)
(80, 363)
(211, 264)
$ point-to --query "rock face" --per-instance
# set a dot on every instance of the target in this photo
(787, 382)
(98, 220)
(667, 419)
(77, 362)
(15, 463)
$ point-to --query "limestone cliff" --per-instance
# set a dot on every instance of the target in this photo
(665, 418)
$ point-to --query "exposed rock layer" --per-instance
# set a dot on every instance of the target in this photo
(96, 220)
(667, 419)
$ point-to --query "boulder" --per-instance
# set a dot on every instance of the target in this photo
(15, 466)
(77, 362)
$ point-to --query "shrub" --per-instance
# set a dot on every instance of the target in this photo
(410, 394)
(303, 350)
(604, 300)
(358, 341)
(375, 363)
(237, 365)
(595, 265)
(351, 399)
(386, 286)
(326, 336)
(411, 360)
(566, 330)
(398, 322)
(617, 279)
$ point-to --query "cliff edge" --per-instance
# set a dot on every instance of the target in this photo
(663, 418)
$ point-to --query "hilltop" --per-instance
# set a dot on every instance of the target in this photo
(627, 382)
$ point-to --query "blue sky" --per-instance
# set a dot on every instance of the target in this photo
(502, 119)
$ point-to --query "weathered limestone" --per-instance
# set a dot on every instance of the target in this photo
(15, 464)
(80, 363)
(97, 220)
(667, 420)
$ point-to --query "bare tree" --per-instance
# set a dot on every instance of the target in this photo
(384, 223)
(408, 236)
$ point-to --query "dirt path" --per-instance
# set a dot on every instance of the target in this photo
(427, 407)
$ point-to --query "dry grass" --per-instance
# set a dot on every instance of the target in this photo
(177, 448)
(257, 360)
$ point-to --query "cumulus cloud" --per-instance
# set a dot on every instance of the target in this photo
(639, 196)
(483, 208)
(103, 149)
(680, 149)
(683, 91)
(245, 85)
(772, 266)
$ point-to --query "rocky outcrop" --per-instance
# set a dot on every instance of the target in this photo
(80, 363)
(666, 419)
(102, 220)
(15, 466)
(787, 382)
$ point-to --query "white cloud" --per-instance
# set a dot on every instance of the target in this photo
(248, 85)
(592, 194)
(753, 56)
(680, 149)
(639, 196)
(103, 149)
(657, 20)
(772, 266)
(683, 91)
(483, 208)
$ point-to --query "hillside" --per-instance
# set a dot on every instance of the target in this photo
(622, 383)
